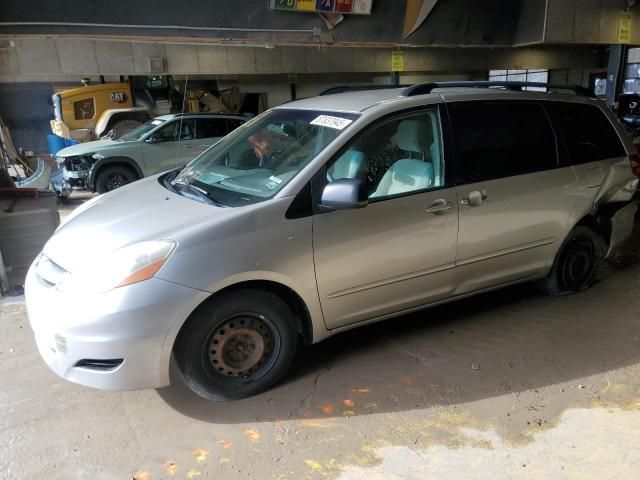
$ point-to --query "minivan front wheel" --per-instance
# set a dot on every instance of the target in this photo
(237, 345)
(575, 268)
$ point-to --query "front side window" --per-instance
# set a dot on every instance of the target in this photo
(396, 157)
(501, 139)
(141, 130)
(586, 131)
(255, 161)
(84, 109)
(170, 132)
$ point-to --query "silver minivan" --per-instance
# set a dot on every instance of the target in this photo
(323, 215)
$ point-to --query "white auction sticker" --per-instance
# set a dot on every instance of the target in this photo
(332, 122)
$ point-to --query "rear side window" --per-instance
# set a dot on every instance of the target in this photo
(586, 131)
(501, 139)
(212, 127)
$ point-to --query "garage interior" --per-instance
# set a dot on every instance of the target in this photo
(509, 384)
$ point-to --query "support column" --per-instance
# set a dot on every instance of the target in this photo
(615, 72)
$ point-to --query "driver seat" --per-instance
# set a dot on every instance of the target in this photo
(409, 174)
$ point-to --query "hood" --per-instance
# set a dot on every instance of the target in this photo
(91, 147)
(143, 210)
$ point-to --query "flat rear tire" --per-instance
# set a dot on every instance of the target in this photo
(576, 265)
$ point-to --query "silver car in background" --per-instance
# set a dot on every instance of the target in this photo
(165, 142)
(323, 215)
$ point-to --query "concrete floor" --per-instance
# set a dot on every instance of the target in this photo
(506, 385)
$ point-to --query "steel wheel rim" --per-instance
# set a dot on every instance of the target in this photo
(241, 348)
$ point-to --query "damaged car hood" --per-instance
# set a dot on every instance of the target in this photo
(141, 211)
(97, 146)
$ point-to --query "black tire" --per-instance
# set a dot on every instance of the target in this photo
(114, 176)
(123, 126)
(237, 345)
(576, 265)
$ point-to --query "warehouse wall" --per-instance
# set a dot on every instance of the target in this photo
(26, 109)
(574, 76)
(588, 21)
(57, 59)
(313, 85)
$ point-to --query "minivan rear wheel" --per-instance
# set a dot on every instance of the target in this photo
(576, 265)
(237, 345)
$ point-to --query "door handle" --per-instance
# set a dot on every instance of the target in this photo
(440, 205)
(475, 198)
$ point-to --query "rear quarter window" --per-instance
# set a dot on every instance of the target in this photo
(586, 132)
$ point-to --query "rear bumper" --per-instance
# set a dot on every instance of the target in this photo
(621, 228)
(128, 324)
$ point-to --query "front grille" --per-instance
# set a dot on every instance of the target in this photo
(103, 365)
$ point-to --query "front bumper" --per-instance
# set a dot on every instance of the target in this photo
(60, 185)
(129, 323)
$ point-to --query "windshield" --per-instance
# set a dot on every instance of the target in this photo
(255, 161)
(141, 130)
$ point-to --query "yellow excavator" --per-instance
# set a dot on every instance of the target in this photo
(93, 111)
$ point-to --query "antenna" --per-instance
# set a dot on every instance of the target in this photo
(184, 102)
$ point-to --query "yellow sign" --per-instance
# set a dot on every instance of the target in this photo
(624, 28)
(306, 5)
(397, 61)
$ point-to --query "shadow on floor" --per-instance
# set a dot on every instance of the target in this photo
(510, 340)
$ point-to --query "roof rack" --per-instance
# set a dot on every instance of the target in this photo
(222, 114)
(358, 88)
(426, 88)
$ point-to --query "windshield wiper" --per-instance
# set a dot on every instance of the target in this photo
(197, 191)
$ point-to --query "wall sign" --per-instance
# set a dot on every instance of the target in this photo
(326, 5)
(624, 28)
(307, 5)
(356, 7)
(397, 61)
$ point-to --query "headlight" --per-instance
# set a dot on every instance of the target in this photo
(129, 265)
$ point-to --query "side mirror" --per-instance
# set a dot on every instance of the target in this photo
(344, 194)
(152, 139)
